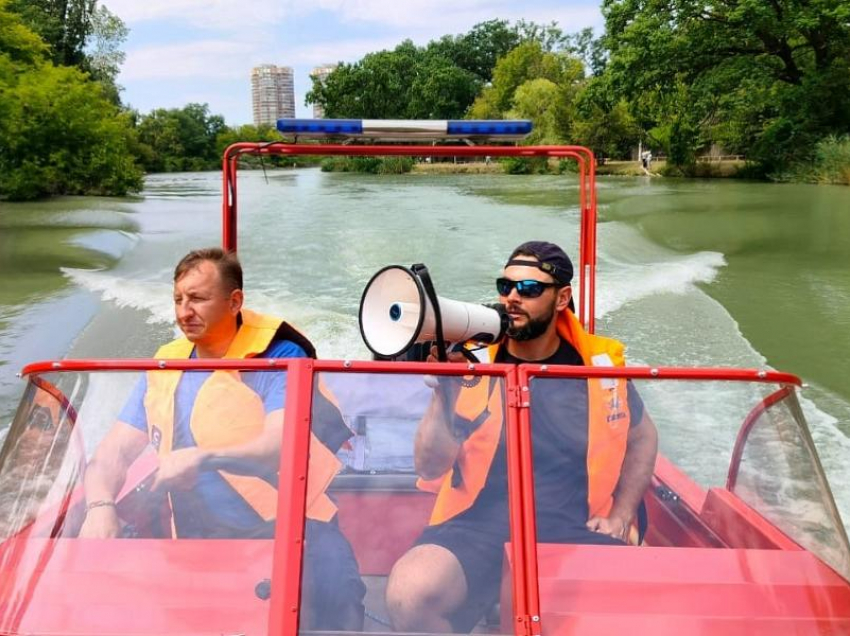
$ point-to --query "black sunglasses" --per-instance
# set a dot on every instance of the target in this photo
(525, 288)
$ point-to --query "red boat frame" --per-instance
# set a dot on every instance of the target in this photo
(289, 531)
(284, 609)
(586, 174)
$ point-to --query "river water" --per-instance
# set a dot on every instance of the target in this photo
(713, 273)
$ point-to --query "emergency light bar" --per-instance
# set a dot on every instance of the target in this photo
(406, 129)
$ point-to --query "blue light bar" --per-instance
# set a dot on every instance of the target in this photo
(406, 129)
(324, 127)
(489, 128)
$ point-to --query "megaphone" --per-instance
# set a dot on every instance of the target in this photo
(399, 308)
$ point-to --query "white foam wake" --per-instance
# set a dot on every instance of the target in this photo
(626, 282)
(151, 296)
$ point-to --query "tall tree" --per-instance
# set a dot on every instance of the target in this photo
(176, 139)
(791, 57)
(64, 25)
(526, 63)
(478, 50)
(58, 132)
(104, 56)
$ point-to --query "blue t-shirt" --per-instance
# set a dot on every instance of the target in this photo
(226, 508)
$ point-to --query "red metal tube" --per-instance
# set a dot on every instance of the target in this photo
(285, 606)
(746, 427)
(369, 366)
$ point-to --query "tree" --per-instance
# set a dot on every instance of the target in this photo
(478, 50)
(104, 56)
(550, 36)
(64, 25)
(604, 122)
(408, 82)
(377, 86)
(540, 101)
(793, 56)
(177, 139)
(61, 135)
(79, 33)
(58, 131)
(440, 90)
(527, 62)
(590, 50)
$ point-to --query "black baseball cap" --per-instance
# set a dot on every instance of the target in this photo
(552, 260)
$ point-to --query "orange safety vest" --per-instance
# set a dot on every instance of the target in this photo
(227, 413)
(608, 428)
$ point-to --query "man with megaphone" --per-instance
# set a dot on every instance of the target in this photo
(594, 453)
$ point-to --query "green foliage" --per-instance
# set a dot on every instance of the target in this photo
(368, 165)
(104, 56)
(540, 101)
(179, 139)
(64, 25)
(479, 50)
(442, 79)
(525, 165)
(59, 131)
(78, 33)
(395, 165)
(533, 83)
(832, 160)
(408, 82)
(61, 135)
(603, 121)
(830, 164)
(526, 62)
(765, 78)
(19, 46)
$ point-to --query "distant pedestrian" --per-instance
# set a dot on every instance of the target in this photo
(646, 161)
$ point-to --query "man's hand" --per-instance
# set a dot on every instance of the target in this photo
(178, 470)
(612, 526)
(453, 356)
(446, 388)
(100, 523)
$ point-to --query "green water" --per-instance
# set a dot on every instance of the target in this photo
(787, 248)
(708, 273)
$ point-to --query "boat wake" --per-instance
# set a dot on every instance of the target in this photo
(148, 295)
(622, 282)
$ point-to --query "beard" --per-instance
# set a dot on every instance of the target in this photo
(533, 328)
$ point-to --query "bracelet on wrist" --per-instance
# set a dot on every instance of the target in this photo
(100, 504)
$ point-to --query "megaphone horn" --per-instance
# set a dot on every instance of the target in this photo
(396, 311)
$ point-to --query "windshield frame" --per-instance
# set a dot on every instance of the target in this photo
(289, 531)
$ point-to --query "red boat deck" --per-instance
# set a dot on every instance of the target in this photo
(597, 590)
(190, 587)
(147, 586)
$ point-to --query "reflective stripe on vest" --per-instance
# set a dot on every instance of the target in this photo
(607, 431)
(227, 412)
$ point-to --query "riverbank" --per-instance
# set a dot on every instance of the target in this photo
(713, 169)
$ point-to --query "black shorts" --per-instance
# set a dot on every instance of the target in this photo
(333, 591)
(480, 550)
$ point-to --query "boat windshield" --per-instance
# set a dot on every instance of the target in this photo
(64, 553)
(364, 494)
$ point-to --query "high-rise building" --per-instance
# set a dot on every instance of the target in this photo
(273, 93)
(321, 72)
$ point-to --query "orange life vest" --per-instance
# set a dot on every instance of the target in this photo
(608, 428)
(227, 412)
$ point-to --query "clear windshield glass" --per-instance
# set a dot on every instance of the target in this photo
(385, 549)
(587, 438)
(780, 476)
(101, 471)
(413, 559)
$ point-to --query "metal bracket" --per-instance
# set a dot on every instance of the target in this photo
(528, 625)
(517, 397)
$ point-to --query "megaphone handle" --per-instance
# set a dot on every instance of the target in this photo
(421, 272)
